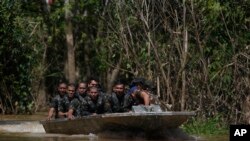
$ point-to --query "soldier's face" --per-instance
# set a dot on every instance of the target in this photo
(119, 89)
(93, 83)
(62, 88)
(93, 93)
(82, 88)
(71, 91)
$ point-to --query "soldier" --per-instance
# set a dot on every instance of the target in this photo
(69, 106)
(136, 95)
(94, 82)
(81, 95)
(116, 98)
(53, 110)
(97, 103)
(81, 90)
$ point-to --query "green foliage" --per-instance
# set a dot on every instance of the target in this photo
(144, 37)
(18, 54)
(16, 58)
(210, 126)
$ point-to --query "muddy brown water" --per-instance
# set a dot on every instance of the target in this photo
(28, 128)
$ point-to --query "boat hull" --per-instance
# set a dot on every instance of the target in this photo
(146, 122)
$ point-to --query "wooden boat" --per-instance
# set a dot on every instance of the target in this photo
(148, 121)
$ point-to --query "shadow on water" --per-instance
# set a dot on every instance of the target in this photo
(166, 135)
(33, 131)
(45, 137)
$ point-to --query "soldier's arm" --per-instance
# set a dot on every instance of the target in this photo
(50, 113)
(74, 105)
(52, 107)
(127, 103)
(145, 96)
(70, 114)
(107, 105)
(61, 112)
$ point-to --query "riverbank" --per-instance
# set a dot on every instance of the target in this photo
(34, 117)
(211, 129)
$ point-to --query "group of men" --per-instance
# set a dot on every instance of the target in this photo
(87, 98)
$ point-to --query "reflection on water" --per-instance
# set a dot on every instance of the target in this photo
(33, 130)
(21, 126)
(45, 137)
(28, 128)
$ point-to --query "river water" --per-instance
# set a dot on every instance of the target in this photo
(28, 128)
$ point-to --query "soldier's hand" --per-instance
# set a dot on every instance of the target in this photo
(70, 117)
(48, 118)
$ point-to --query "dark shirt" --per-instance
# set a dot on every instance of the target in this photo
(83, 105)
(79, 96)
(99, 106)
(130, 101)
(69, 103)
(117, 103)
(55, 102)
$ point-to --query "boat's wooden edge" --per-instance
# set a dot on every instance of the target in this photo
(170, 113)
(131, 114)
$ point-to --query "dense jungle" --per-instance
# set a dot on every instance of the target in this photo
(196, 53)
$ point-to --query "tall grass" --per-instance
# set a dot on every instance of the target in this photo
(209, 126)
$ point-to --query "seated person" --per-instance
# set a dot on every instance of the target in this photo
(94, 82)
(61, 92)
(69, 106)
(116, 98)
(81, 90)
(136, 95)
(97, 103)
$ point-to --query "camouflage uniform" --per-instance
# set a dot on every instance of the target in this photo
(129, 101)
(83, 111)
(116, 103)
(70, 103)
(100, 106)
(80, 96)
(55, 102)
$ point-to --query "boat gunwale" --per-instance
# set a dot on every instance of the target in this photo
(168, 113)
(127, 114)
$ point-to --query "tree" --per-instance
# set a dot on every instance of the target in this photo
(70, 66)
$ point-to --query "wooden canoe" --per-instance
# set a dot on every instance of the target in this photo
(132, 121)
